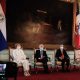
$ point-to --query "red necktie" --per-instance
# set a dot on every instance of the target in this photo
(62, 54)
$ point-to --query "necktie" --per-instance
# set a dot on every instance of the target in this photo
(62, 54)
(41, 52)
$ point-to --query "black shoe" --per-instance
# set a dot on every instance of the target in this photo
(68, 70)
(63, 70)
(46, 72)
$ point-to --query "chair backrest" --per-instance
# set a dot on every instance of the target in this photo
(34, 55)
(10, 54)
(38, 49)
(35, 51)
(49, 53)
(77, 55)
(71, 55)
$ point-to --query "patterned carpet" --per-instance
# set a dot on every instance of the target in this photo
(51, 76)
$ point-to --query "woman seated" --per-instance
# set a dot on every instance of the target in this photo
(20, 58)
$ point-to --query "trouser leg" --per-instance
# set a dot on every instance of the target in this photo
(25, 65)
(67, 63)
(44, 61)
(63, 63)
(45, 66)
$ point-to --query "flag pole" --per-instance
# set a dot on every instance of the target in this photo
(74, 21)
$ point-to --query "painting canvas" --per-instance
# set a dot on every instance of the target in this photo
(39, 21)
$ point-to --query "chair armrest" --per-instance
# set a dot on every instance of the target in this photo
(11, 58)
(49, 59)
(71, 59)
(35, 60)
(56, 59)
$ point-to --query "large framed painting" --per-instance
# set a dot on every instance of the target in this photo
(32, 22)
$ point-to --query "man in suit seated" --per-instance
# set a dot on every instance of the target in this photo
(61, 55)
(41, 56)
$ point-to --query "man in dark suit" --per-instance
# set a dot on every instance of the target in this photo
(61, 55)
(41, 56)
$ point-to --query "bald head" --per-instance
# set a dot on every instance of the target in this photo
(61, 46)
(41, 46)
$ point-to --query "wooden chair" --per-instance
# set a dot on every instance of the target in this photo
(38, 65)
(76, 62)
(58, 65)
(77, 55)
(20, 67)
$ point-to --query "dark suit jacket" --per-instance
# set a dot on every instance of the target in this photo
(58, 54)
(38, 55)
